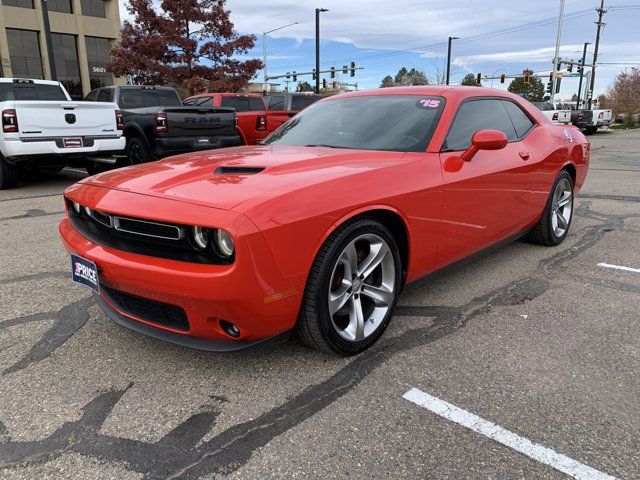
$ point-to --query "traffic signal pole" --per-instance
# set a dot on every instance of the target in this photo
(557, 55)
(584, 58)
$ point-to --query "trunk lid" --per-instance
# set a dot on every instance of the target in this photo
(200, 121)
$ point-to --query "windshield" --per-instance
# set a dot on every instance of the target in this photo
(400, 123)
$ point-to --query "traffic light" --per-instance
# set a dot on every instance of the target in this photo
(288, 75)
(313, 74)
(580, 67)
(558, 84)
(295, 77)
(570, 67)
(526, 77)
(353, 69)
(479, 78)
(502, 77)
(344, 69)
(334, 84)
(324, 83)
(333, 72)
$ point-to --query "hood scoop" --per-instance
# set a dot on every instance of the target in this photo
(231, 170)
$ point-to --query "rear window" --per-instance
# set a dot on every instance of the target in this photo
(299, 102)
(243, 104)
(31, 91)
(276, 102)
(142, 98)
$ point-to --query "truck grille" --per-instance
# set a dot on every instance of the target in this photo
(149, 310)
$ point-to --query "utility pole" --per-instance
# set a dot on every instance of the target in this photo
(584, 59)
(318, 12)
(449, 59)
(601, 11)
(557, 54)
(47, 34)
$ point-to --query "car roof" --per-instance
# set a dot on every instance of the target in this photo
(226, 94)
(34, 80)
(450, 92)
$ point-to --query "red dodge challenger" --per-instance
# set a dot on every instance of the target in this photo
(318, 229)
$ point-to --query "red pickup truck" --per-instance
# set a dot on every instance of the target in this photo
(255, 121)
(251, 112)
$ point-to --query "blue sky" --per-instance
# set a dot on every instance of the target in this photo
(495, 35)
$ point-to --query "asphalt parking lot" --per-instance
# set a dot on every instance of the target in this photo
(542, 342)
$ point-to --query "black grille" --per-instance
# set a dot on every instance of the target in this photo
(152, 229)
(150, 310)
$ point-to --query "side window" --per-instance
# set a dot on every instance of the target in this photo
(474, 115)
(299, 102)
(521, 120)
(105, 95)
(91, 96)
(276, 102)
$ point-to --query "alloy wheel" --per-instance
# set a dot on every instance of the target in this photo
(362, 287)
(562, 207)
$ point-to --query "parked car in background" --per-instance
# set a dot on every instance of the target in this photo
(602, 117)
(581, 118)
(251, 112)
(157, 125)
(282, 106)
(42, 128)
(556, 115)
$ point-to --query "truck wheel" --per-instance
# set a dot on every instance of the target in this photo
(137, 151)
(8, 174)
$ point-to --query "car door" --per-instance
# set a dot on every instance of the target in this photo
(488, 198)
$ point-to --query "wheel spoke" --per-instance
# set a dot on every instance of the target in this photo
(356, 319)
(339, 298)
(381, 296)
(350, 261)
(376, 255)
(562, 222)
(564, 199)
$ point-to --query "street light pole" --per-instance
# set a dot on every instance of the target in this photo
(318, 12)
(557, 55)
(584, 59)
(265, 84)
(449, 59)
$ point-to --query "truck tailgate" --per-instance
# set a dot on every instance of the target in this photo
(199, 121)
(65, 119)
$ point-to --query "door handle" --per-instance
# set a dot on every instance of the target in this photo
(525, 155)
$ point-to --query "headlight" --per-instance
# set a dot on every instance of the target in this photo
(200, 237)
(76, 207)
(224, 243)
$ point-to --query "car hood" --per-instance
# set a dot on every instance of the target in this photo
(226, 178)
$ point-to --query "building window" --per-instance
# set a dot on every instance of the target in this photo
(67, 67)
(18, 3)
(98, 57)
(24, 53)
(62, 6)
(93, 8)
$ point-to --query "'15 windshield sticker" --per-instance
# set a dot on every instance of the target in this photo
(428, 103)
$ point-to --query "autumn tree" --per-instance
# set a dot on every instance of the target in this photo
(534, 90)
(624, 95)
(189, 44)
(470, 80)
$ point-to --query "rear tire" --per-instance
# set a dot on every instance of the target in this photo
(556, 218)
(352, 289)
(8, 174)
(137, 151)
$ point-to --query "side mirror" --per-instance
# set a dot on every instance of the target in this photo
(485, 140)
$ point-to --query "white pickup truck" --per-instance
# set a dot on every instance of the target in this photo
(42, 128)
(601, 118)
(556, 113)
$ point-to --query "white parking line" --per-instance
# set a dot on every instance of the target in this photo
(532, 450)
(619, 267)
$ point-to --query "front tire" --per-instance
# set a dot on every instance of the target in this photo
(556, 218)
(352, 289)
(8, 174)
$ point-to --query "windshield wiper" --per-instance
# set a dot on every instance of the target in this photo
(328, 146)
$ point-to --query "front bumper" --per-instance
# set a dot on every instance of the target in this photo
(251, 293)
(16, 148)
(165, 146)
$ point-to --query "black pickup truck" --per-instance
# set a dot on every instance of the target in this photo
(156, 124)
